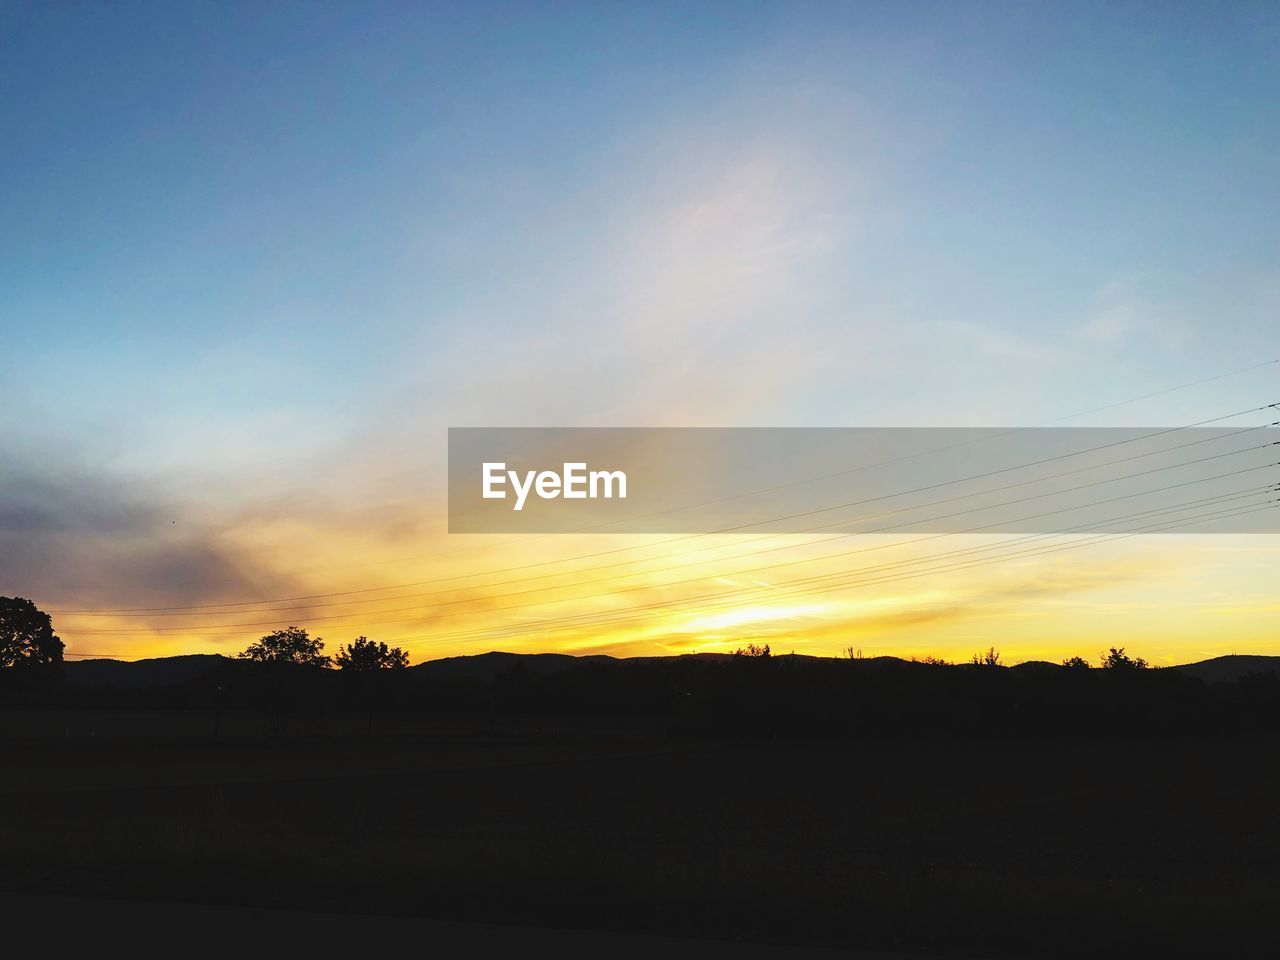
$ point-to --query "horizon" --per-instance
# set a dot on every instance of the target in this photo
(90, 658)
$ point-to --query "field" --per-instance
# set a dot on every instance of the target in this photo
(992, 848)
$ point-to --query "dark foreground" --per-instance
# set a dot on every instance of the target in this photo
(77, 923)
(1046, 848)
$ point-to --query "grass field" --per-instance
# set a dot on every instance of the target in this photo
(985, 848)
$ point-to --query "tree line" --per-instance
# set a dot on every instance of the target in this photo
(753, 693)
(296, 647)
(28, 642)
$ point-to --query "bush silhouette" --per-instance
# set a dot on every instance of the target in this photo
(751, 650)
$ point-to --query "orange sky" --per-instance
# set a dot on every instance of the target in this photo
(1169, 598)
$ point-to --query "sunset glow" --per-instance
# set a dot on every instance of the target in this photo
(240, 316)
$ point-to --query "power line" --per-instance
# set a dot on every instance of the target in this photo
(233, 627)
(769, 567)
(1045, 423)
(585, 619)
(792, 546)
(731, 598)
(436, 638)
(642, 613)
(322, 596)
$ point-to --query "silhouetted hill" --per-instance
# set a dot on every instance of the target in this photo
(714, 694)
(156, 671)
(1229, 668)
(164, 671)
(485, 666)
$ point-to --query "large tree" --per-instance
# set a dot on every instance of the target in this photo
(26, 636)
(290, 645)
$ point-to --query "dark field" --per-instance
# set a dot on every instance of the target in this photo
(987, 848)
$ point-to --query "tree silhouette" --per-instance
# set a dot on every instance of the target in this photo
(27, 639)
(370, 664)
(989, 659)
(1116, 659)
(1076, 663)
(290, 645)
(365, 654)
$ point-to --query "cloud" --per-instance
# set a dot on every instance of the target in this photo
(72, 539)
(676, 285)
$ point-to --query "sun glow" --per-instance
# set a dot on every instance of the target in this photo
(760, 613)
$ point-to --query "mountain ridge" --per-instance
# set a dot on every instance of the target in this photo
(161, 671)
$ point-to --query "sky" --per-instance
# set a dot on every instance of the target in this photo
(255, 259)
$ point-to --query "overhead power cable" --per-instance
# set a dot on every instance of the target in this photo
(683, 538)
(577, 583)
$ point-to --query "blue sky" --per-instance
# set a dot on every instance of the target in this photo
(290, 194)
(261, 251)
